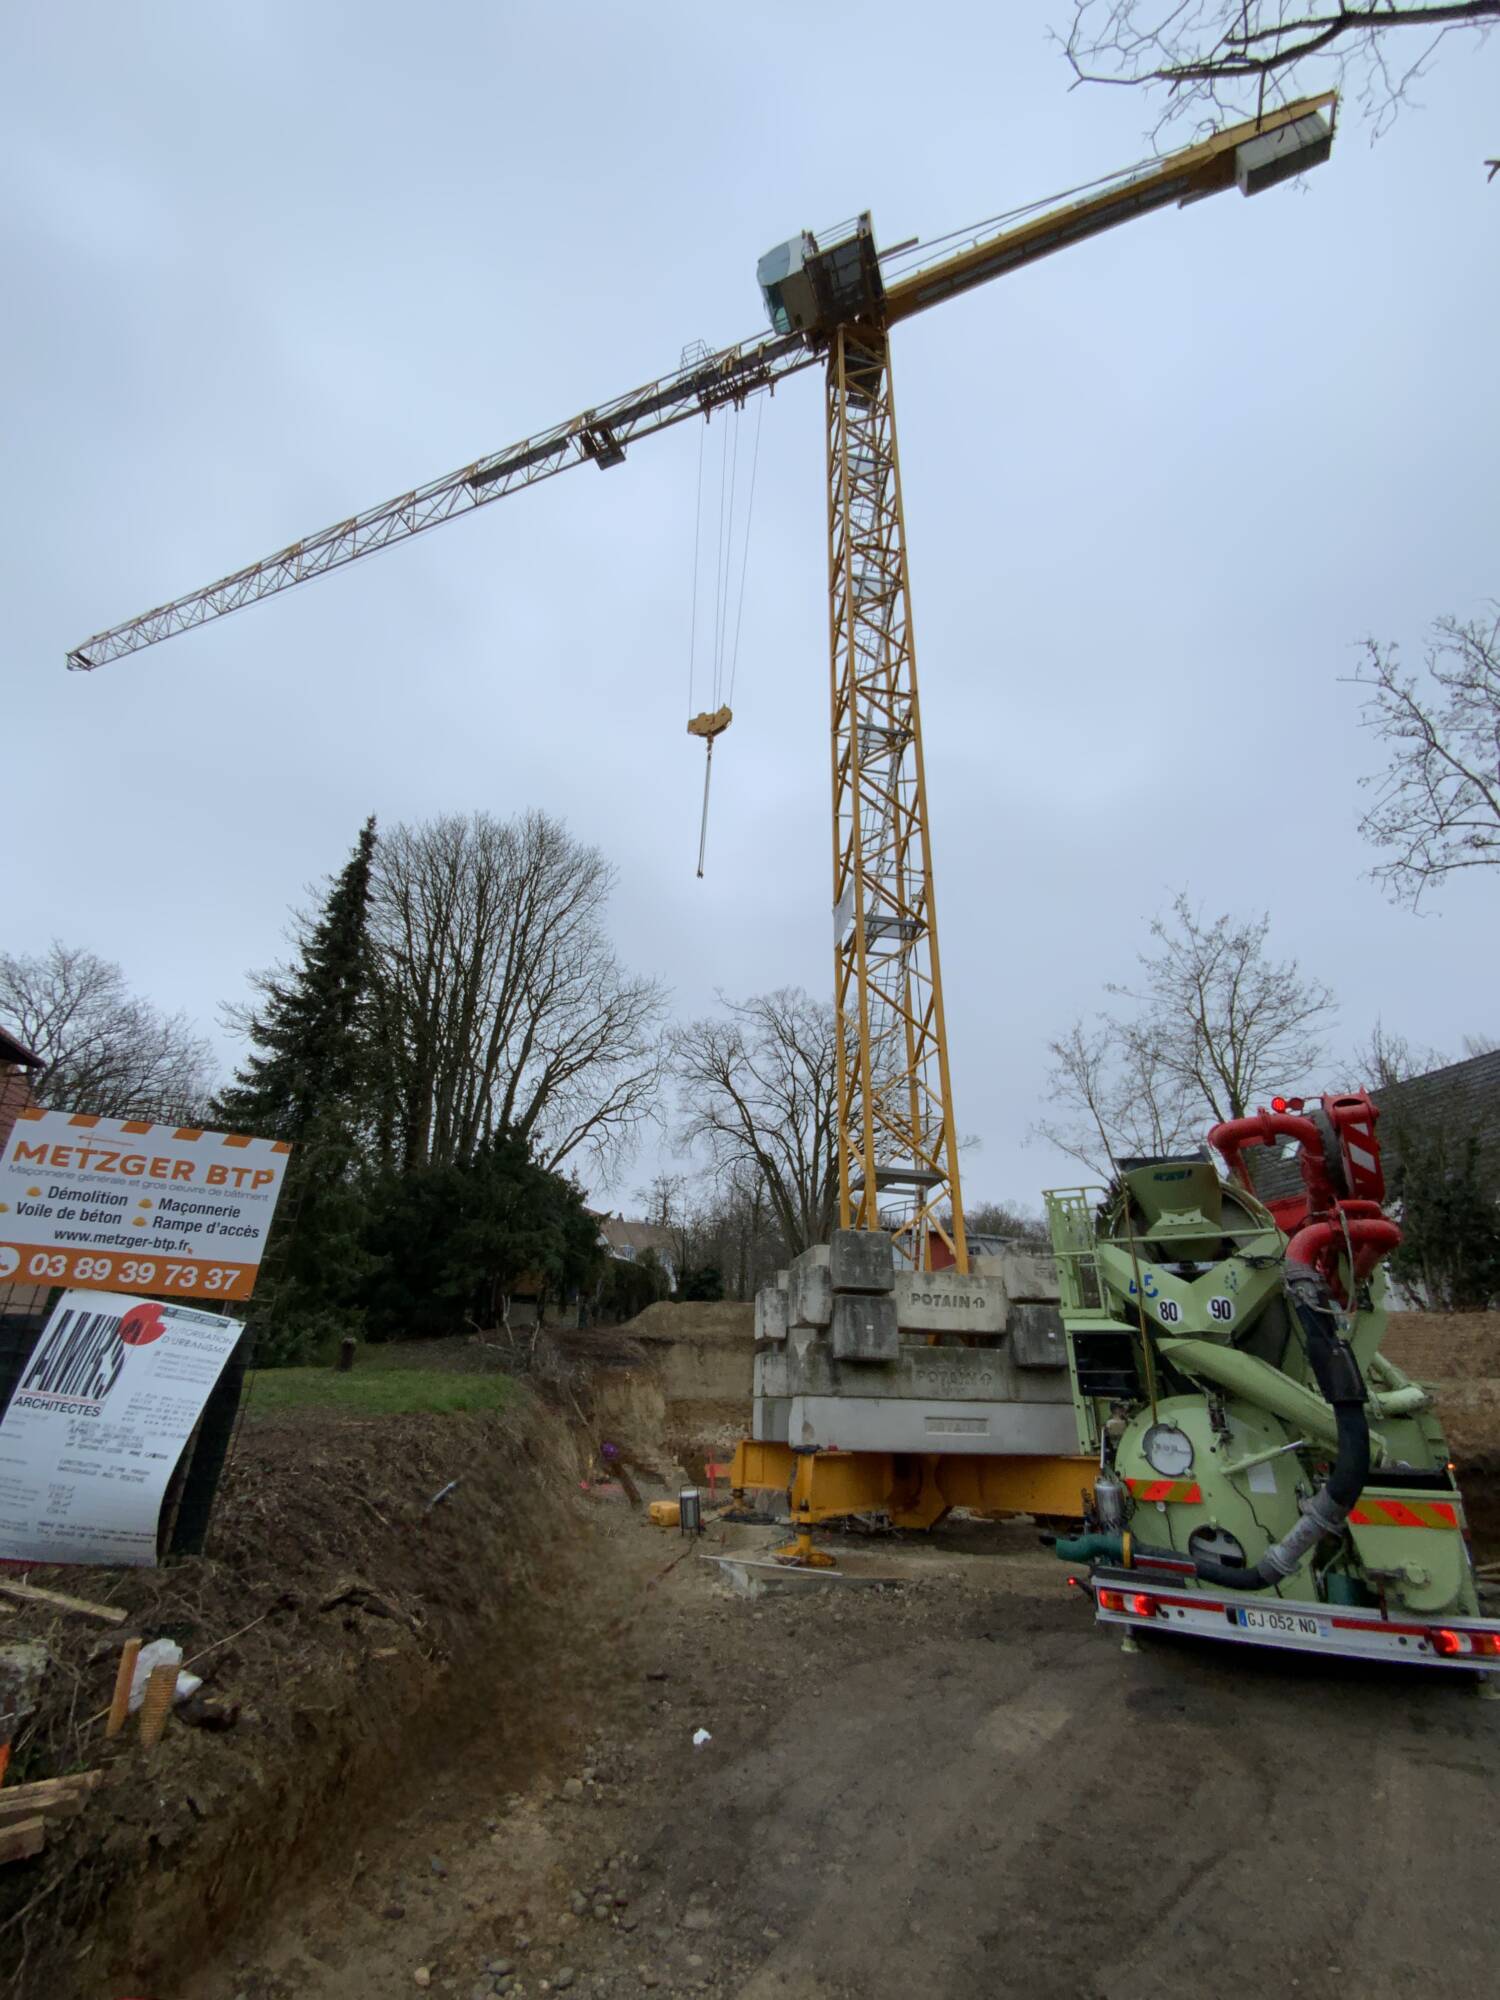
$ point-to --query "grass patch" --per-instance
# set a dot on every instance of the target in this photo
(379, 1392)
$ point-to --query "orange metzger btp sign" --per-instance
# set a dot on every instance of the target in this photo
(116, 1205)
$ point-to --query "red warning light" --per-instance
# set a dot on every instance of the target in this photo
(1111, 1600)
(1447, 1642)
(1296, 1103)
(1142, 1605)
(1278, 1104)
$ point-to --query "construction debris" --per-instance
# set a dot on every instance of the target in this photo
(26, 1811)
(30, 1593)
(20, 1841)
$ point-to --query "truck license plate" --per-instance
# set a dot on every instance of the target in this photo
(1279, 1621)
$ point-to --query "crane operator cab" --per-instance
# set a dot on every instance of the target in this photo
(812, 284)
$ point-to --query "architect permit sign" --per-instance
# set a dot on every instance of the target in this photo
(97, 1423)
(108, 1202)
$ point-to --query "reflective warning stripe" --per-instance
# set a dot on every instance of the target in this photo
(1372, 1513)
(1165, 1489)
(33, 1114)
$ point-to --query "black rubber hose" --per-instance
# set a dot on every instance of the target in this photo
(1336, 1370)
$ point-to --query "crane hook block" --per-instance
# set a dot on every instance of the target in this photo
(712, 724)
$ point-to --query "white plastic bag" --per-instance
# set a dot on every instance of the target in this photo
(160, 1653)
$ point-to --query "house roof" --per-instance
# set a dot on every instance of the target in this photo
(630, 1238)
(1460, 1098)
(12, 1051)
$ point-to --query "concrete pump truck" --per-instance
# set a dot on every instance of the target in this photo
(1265, 1475)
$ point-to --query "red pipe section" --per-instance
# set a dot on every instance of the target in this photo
(1327, 1229)
(1323, 1244)
(1264, 1129)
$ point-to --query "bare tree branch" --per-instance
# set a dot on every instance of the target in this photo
(1239, 57)
(1212, 1023)
(106, 1052)
(504, 1006)
(757, 1091)
(1436, 806)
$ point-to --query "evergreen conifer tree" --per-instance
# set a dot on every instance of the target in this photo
(308, 1080)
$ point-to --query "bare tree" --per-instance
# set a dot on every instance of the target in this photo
(1003, 1218)
(731, 1226)
(757, 1090)
(1386, 1057)
(1436, 806)
(1115, 1097)
(501, 1003)
(106, 1052)
(1212, 1024)
(1243, 56)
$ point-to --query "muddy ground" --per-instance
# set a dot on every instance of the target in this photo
(953, 1785)
(465, 1763)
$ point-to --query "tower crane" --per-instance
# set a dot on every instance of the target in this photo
(833, 300)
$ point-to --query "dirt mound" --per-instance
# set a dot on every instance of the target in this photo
(716, 1320)
(1445, 1347)
(349, 1615)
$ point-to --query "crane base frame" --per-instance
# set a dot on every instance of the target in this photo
(913, 1490)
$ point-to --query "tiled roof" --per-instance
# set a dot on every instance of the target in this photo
(630, 1238)
(1460, 1098)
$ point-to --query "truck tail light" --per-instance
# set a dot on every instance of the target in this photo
(1143, 1606)
(1111, 1600)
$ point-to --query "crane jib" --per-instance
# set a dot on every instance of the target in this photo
(600, 435)
(1256, 154)
(945, 284)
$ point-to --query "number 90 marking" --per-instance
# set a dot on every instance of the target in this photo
(1222, 1311)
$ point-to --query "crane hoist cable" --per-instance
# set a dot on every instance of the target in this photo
(711, 723)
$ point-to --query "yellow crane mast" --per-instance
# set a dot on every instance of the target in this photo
(833, 299)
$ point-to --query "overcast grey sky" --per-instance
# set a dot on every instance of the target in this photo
(267, 265)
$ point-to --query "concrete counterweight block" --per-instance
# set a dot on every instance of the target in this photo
(1037, 1338)
(1029, 1275)
(946, 1302)
(770, 1313)
(811, 1291)
(864, 1326)
(861, 1260)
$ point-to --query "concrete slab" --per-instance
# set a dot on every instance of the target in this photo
(890, 1423)
(754, 1576)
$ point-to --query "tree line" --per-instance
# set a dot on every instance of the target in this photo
(455, 1041)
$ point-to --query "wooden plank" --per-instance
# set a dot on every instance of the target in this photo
(25, 1838)
(56, 1798)
(31, 1593)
